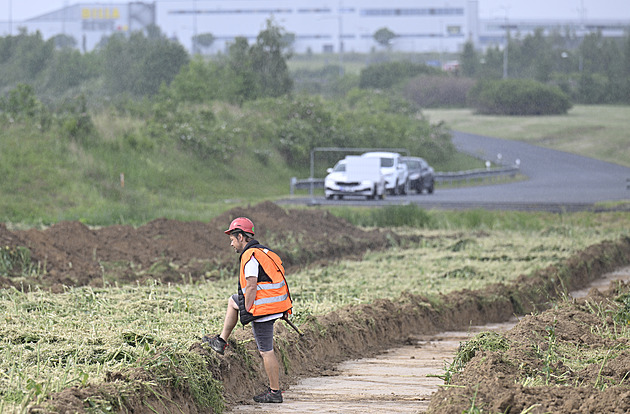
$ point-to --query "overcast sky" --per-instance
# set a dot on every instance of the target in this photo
(488, 9)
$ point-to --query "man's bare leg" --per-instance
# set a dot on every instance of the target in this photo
(231, 318)
(272, 368)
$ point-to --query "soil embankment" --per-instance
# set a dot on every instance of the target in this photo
(404, 379)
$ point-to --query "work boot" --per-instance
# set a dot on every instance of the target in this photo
(216, 342)
(269, 396)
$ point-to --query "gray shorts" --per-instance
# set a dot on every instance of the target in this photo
(263, 332)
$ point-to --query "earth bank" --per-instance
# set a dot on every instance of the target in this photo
(535, 369)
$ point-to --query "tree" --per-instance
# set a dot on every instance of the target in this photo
(203, 40)
(241, 82)
(63, 41)
(139, 65)
(269, 60)
(469, 60)
(384, 36)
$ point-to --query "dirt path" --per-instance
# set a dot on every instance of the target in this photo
(400, 380)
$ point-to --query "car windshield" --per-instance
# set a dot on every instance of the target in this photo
(387, 162)
(340, 167)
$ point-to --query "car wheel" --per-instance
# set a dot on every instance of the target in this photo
(329, 197)
(406, 187)
(431, 188)
(396, 189)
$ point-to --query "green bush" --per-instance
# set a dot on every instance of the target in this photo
(194, 128)
(386, 75)
(21, 104)
(518, 97)
(75, 121)
(430, 91)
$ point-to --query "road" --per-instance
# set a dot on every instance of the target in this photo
(556, 181)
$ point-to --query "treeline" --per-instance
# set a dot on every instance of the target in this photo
(592, 70)
(138, 65)
(212, 109)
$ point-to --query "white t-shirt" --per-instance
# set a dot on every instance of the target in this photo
(251, 270)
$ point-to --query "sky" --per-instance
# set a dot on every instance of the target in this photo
(18, 10)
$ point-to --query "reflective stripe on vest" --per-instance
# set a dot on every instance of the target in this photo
(271, 297)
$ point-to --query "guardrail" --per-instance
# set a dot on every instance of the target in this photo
(481, 174)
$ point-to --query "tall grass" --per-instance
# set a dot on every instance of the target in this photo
(49, 178)
(414, 216)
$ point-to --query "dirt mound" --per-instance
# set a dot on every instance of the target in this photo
(72, 254)
(493, 380)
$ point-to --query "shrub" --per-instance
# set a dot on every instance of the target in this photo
(518, 97)
(75, 122)
(21, 104)
(386, 75)
(429, 91)
(194, 128)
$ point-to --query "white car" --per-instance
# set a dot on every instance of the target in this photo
(394, 170)
(355, 176)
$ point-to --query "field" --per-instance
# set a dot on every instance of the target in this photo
(596, 131)
(122, 330)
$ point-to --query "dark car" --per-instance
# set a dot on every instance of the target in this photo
(421, 174)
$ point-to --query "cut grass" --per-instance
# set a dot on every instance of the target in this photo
(51, 342)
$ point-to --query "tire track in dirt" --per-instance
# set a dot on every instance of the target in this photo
(400, 380)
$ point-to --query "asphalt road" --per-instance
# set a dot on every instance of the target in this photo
(556, 181)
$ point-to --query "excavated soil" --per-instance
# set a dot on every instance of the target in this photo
(492, 380)
(73, 254)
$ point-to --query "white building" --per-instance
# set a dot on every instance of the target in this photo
(319, 26)
(328, 26)
(87, 23)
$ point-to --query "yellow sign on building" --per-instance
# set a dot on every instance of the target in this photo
(100, 13)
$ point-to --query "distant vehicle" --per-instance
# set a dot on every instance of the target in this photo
(355, 176)
(421, 174)
(394, 170)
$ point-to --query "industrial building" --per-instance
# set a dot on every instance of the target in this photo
(331, 26)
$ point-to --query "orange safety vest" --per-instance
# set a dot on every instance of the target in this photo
(272, 292)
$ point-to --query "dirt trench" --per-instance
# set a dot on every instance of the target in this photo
(368, 330)
(399, 380)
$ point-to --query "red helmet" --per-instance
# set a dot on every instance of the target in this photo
(241, 223)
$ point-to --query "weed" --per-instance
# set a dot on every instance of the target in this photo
(284, 357)
(484, 341)
(474, 409)
(550, 356)
(16, 261)
(241, 350)
(623, 312)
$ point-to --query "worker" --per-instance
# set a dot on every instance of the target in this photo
(263, 297)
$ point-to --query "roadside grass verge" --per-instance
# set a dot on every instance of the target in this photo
(597, 131)
(79, 337)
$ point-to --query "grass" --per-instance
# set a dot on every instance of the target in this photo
(597, 131)
(51, 342)
(66, 181)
